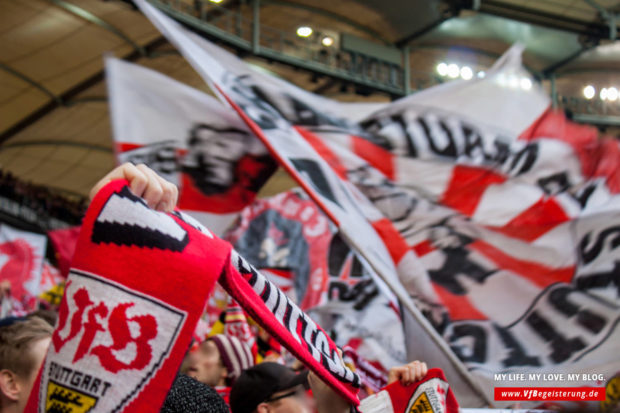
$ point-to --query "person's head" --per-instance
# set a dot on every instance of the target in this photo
(189, 395)
(213, 154)
(50, 316)
(23, 345)
(219, 360)
(270, 388)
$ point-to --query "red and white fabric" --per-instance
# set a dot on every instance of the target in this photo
(138, 285)
(21, 262)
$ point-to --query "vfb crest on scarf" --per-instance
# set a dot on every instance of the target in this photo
(108, 340)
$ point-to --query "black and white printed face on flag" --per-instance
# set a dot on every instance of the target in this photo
(188, 138)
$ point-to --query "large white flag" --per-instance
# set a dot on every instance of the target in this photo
(341, 201)
(195, 142)
(509, 207)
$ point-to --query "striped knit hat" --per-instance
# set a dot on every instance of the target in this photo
(235, 355)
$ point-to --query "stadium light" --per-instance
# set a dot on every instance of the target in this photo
(603, 94)
(304, 31)
(513, 81)
(525, 83)
(612, 94)
(589, 92)
(481, 74)
(466, 73)
(327, 41)
(453, 70)
(442, 69)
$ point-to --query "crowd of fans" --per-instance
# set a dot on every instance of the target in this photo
(220, 373)
(44, 203)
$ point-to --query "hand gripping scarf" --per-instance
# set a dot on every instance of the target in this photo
(432, 394)
(139, 282)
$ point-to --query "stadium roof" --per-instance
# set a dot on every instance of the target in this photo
(54, 124)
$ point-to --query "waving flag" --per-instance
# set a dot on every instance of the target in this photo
(291, 241)
(358, 220)
(495, 213)
(201, 146)
(21, 262)
(295, 240)
(495, 194)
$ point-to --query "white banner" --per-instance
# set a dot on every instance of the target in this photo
(190, 139)
(509, 207)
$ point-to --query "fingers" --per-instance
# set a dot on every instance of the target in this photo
(423, 369)
(153, 192)
(158, 193)
(409, 373)
(395, 374)
(138, 179)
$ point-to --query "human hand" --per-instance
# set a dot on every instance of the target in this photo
(158, 193)
(409, 373)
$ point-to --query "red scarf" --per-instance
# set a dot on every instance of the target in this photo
(288, 324)
(140, 279)
(432, 394)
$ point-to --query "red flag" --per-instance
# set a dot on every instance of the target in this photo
(21, 260)
(138, 284)
(64, 242)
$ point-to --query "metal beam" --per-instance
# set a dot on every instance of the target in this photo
(544, 19)
(598, 120)
(201, 27)
(321, 69)
(451, 9)
(428, 28)
(81, 145)
(336, 16)
(32, 82)
(555, 66)
(255, 26)
(587, 70)
(91, 18)
(607, 15)
(71, 93)
(554, 91)
(87, 99)
(406, 70)
(209, 31)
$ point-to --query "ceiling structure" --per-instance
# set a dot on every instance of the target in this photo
(54, 123)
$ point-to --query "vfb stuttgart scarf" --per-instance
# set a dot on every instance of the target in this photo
(432, 394)
(139, 282)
